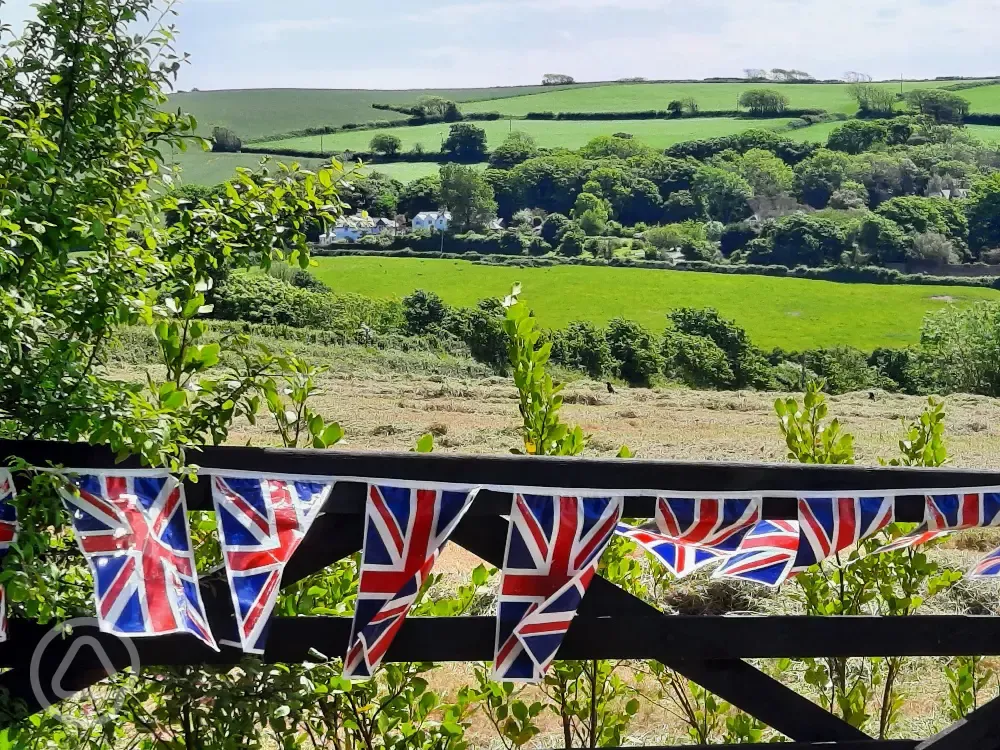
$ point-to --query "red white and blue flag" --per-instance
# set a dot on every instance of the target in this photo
(765, 554)
(8, 535)
(261, 523)
(946, 513)
(553, 547)
(710, 523)
(828, 525)
(988, 567)
(133, 530)
(679, 559)
(405, 531)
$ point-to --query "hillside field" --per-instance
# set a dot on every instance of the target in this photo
(833, 97)
(257, 113)
(547, 133)
(790, 313)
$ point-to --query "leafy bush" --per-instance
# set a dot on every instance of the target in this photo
(696, 361)
(423, 311)
(749, 366)
(258, 298)
(583, 346)
(960, 349)
(572, 243)
(554, 227)
(635, 351)
(481, 328)
(844, 369)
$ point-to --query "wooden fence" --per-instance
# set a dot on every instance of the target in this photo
(611, 623)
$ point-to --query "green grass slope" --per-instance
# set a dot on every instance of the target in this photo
(833, 97)
(257, 113)
(791, 313)
(547, 133)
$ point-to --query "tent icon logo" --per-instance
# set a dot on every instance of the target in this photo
(74, 647)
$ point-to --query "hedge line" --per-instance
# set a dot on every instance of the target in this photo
(839, 274)
(662, 114)
(982, 119)
(365, 156)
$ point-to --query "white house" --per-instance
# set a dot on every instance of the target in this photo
(432, 221)
(353, 228)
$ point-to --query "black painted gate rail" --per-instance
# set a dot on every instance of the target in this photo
(611, 624)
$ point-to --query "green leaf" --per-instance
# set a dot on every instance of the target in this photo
(425, 444)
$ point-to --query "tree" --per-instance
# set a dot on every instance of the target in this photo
(688, 238)
(465, 192)
(749, 367)
(943, 106)
(642, 203)
(465, 142)
(225, 140)
(635, 351)
(983, 210)
(764, 172)
(820, 175)
(933, 248)
(856, 136)
(604, 146)
(675, 108)
(690, 105)
(882, 239)
(723, 194)
(849, 196)
(873, 100)
(800, 239)
(681, 206)
(557, 79)
(764, 102)
(572, 243)
(554, 227)
(517, 147)
(422, 194)
(548, 182)
(437, 108)
(386, 144)
(755, 74)
(917, 215)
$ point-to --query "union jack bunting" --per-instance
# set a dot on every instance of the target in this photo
(944, 514)
(553, 547)
(8, 535)
(133, 530)
(679, 559)
(988, 567)
(261, 523)
(707, 522)
(765, 555)
(829, 525)
(405, 531)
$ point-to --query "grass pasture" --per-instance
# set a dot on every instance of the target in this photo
(547, 133)
(258, 113)
(833, 97)
(790, 313)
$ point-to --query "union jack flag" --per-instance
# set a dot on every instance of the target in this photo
(405, 531)
(553, 547)
(988, 567)
(831, 524)
(133, 530)
(765, 555)
(8, 535)
(679, 559)
(712, 523)
(944, 514)
(261, 523)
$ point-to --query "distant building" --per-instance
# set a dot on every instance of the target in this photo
(353, 228)
(496, 225)
(433, 221)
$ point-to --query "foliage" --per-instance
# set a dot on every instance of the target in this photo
(583, 346)
(465, 142)
(933, 248)
(764, 102)
(555, 227)
(856, 136)
(423, 311)
(696, 361)
(635, 350)
(423, 194)
(468, 196)
(747, 363)
(961, 347)
(225, 140)
(943, 106)
(882, 239)
(983, 212)
(919, 215)
(766, 174)
(688, 238)
(386, 144)
(572, 243)
(821, 175)
(800, 239)
(723, 194)
(681, 206)
(539, 402)
(518, 147)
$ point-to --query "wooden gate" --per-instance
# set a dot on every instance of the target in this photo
(611, 623)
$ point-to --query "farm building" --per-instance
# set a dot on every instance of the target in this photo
(432, 221)
(355, 227)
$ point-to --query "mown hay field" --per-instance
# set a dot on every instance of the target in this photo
(833, 97)
(547, 133)
(794, 314)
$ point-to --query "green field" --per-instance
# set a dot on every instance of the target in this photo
(547, 133)
(257, 113)
(985, 133)
(833, 97)
(790, 313)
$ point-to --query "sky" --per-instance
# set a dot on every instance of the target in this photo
(389, 44)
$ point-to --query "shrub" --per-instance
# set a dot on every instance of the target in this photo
(513, 243)
(896, 365)
(882, 239)
(960, 349)
(538, 246)
(583, 346)
(764, 102)
(225, 140)
(259, 298)
(845, 369)
(918, 215)
(681, 206)
(800, 239)
(857, 136)
(933, 248)
(689, 238)
(749, 366)
(423, 311)
(572, 243)
(634, 349)
(696, 361)
(554, 227)
(481, 328)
